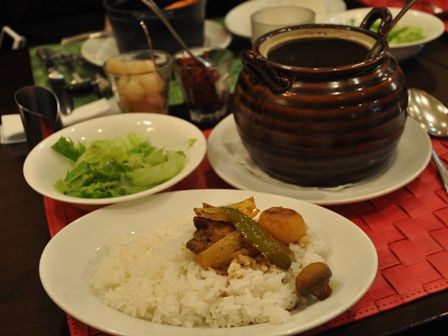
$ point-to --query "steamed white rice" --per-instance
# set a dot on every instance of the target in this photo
(152, 275)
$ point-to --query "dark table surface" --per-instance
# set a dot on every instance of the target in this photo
(25, 309)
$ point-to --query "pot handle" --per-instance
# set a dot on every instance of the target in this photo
(260, 71)
(378, 13)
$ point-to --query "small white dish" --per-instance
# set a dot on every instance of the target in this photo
(11, 129)
(98, 50)
(432, 27)
(43, 166)
(65, 263)
(238, 22)
(232, 163)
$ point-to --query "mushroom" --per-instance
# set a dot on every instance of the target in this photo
(313, 280)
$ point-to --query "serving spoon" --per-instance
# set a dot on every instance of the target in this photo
(436, 10)
(150, 47)
(432, 115)
(376, 47)
(159, 13)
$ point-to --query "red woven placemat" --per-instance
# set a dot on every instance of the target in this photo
(408, 227)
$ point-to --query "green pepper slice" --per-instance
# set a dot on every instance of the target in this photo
(277, 253)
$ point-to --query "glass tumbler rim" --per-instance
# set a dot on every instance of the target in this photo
(164, 60)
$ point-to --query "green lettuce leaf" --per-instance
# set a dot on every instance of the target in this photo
(110, 168)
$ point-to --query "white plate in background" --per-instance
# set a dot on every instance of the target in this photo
(237, 19)
(432, 27)
(64, 264)
(98, 50)
(231, 162)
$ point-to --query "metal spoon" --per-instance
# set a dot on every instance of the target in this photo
(157, 11)
(150, 47)
(432, 115)
(436, 10)
(77, 82)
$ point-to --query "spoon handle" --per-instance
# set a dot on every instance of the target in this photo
(442, 169)
(157, 11)
(375, 49)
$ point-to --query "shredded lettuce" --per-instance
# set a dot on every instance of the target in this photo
(110, 168)
(66, 147)
(405, 34)
(398, 34)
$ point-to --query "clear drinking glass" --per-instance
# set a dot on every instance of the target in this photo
(139, 83)
(39, 112)
(205, 89)
(268, 19)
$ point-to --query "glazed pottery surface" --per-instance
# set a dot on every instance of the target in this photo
(125, 17)
(321, 126)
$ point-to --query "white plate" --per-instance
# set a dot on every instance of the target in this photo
(231, 162)
(43, 166)
(432, 26)
(98, 50)
(237, 20)
(64, 261)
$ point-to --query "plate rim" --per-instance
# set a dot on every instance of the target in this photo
(265, 329)
(201, 144)
(214, 159)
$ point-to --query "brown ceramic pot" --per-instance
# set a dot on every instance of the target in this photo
(321, 126)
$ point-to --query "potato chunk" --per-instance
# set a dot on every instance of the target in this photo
(220, 253)
(285, 225)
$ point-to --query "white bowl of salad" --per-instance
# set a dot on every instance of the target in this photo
(407, 38)
(114, 159)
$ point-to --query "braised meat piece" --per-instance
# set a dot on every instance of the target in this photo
(207, 233)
